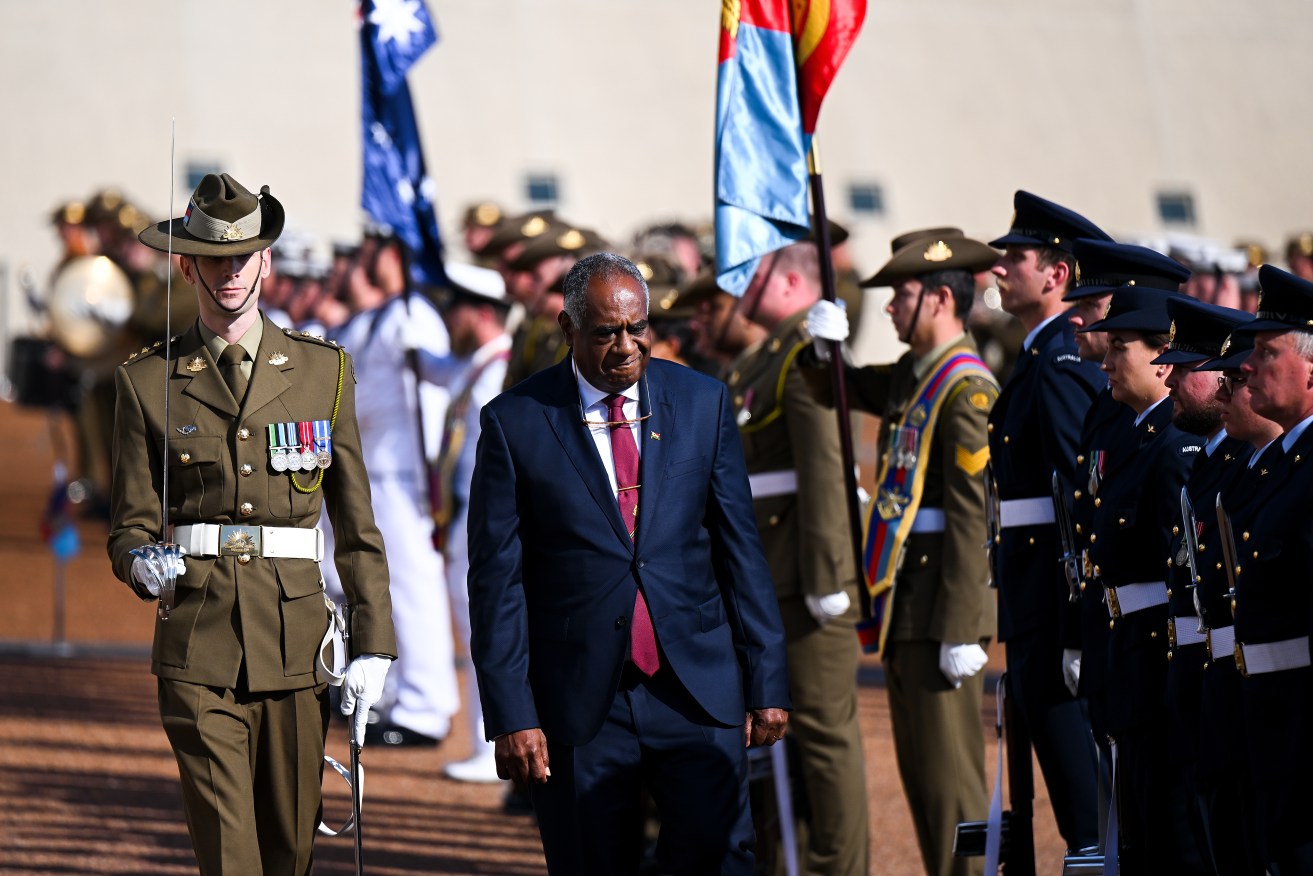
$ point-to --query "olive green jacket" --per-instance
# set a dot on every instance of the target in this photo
(263, 619)
(942, 590)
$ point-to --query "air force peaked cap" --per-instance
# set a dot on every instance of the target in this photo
(1106, 266)
(1198, 330)
(1137, 309)
(1037, 222)
(1284, 302)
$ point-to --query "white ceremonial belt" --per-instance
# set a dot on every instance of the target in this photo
(1025, 512)
(1130, 598)
(1221, 642)
(1184, 630)
(269, 542)
(929, 520)
(1272, 656)
(765, 484)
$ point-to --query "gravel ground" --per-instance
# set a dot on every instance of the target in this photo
(88, 785)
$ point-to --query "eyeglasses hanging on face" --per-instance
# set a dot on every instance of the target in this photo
(1228, 382)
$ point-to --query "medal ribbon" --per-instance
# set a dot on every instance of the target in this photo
(307, 439)
(895, 506)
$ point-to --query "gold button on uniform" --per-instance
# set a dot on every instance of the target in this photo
(246, 509)
(244, 559)
(1006, 439)
(246, 469)
(1097, 502)
(1078, 495)
(184, 458)
(774, 520)
(243, 434)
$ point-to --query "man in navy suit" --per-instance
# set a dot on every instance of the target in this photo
(624, 624)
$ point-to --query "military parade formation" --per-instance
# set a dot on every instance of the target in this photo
(1129, 477)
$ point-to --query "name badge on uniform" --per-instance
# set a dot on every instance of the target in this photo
(323, 444)
(277, 452)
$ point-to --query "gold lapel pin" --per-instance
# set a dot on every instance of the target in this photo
(197, 364)
(278, 359)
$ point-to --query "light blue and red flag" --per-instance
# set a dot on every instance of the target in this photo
(777, 60)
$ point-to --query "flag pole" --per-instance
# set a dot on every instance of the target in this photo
(821, 229)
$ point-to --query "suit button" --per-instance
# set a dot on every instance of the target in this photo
(246, 509)
(243, 434)
(620, 622)
(184, 458)
(774, 520)
(246, 469)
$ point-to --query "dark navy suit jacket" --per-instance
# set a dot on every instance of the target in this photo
(553, 572)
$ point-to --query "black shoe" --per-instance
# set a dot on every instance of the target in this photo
(396, 736)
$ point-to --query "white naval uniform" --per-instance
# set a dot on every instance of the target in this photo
(487, 386)
(421, 693)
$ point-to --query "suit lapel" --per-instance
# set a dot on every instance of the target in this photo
(654, 434)
(268, 381)
(564, 416)
(200, 374)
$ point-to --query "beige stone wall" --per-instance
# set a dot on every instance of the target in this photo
(948, 104)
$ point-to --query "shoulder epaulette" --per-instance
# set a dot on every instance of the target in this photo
(309, 338)
(144, 352)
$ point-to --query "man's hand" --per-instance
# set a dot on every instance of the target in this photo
(361, 688)
(958, 662)
(764, 726)
(826, 321)
(1071, 669)
(826, 608)
(522, 756)
(150, 572)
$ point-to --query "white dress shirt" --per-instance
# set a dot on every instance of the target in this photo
(595, 411)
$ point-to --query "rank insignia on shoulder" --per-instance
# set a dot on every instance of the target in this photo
(196, 364)
(278, 359)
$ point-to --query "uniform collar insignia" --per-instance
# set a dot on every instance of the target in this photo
(196, 364)
(278, 359)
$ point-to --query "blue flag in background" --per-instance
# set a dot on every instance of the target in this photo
(761, 150)
(396, 190)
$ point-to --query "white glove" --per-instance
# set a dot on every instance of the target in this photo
(361, 688)
(827, 321)
(150, 573)
(826, 608)
(959, 662)
(1071, 669)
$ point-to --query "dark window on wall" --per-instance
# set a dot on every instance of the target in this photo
(197, 171)
(1176, 208)
(541, 189)
(866, 199)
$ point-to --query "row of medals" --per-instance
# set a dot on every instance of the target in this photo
(290, 459)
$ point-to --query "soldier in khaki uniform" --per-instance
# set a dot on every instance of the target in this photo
(934, 405)
(791, 444)
(236, 656)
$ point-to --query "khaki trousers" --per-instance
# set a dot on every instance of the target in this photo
(941, 751)
(251, 767)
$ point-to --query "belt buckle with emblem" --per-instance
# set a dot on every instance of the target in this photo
(240, 541)
(1114, 607)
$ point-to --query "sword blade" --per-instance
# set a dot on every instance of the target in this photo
(1228, 545)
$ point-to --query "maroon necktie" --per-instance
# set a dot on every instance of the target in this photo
(642, 637)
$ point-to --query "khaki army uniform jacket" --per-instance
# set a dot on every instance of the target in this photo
(942, 590)
(805, 532)
(538, 344)
(260, 622)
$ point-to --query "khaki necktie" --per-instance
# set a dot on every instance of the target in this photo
(230, 366)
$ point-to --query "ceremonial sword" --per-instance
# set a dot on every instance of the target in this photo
(1070, 559)
(1228, 551)
(1191, 533)
(164, 556)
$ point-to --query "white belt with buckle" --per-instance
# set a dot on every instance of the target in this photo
(929, 520)
(1130, 598)
(1184, 630)
(1221, 642)
(765, 484)
(1025, 512)
(269, 542)
(1272, 656)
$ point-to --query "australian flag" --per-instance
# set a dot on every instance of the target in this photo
(397, 192)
